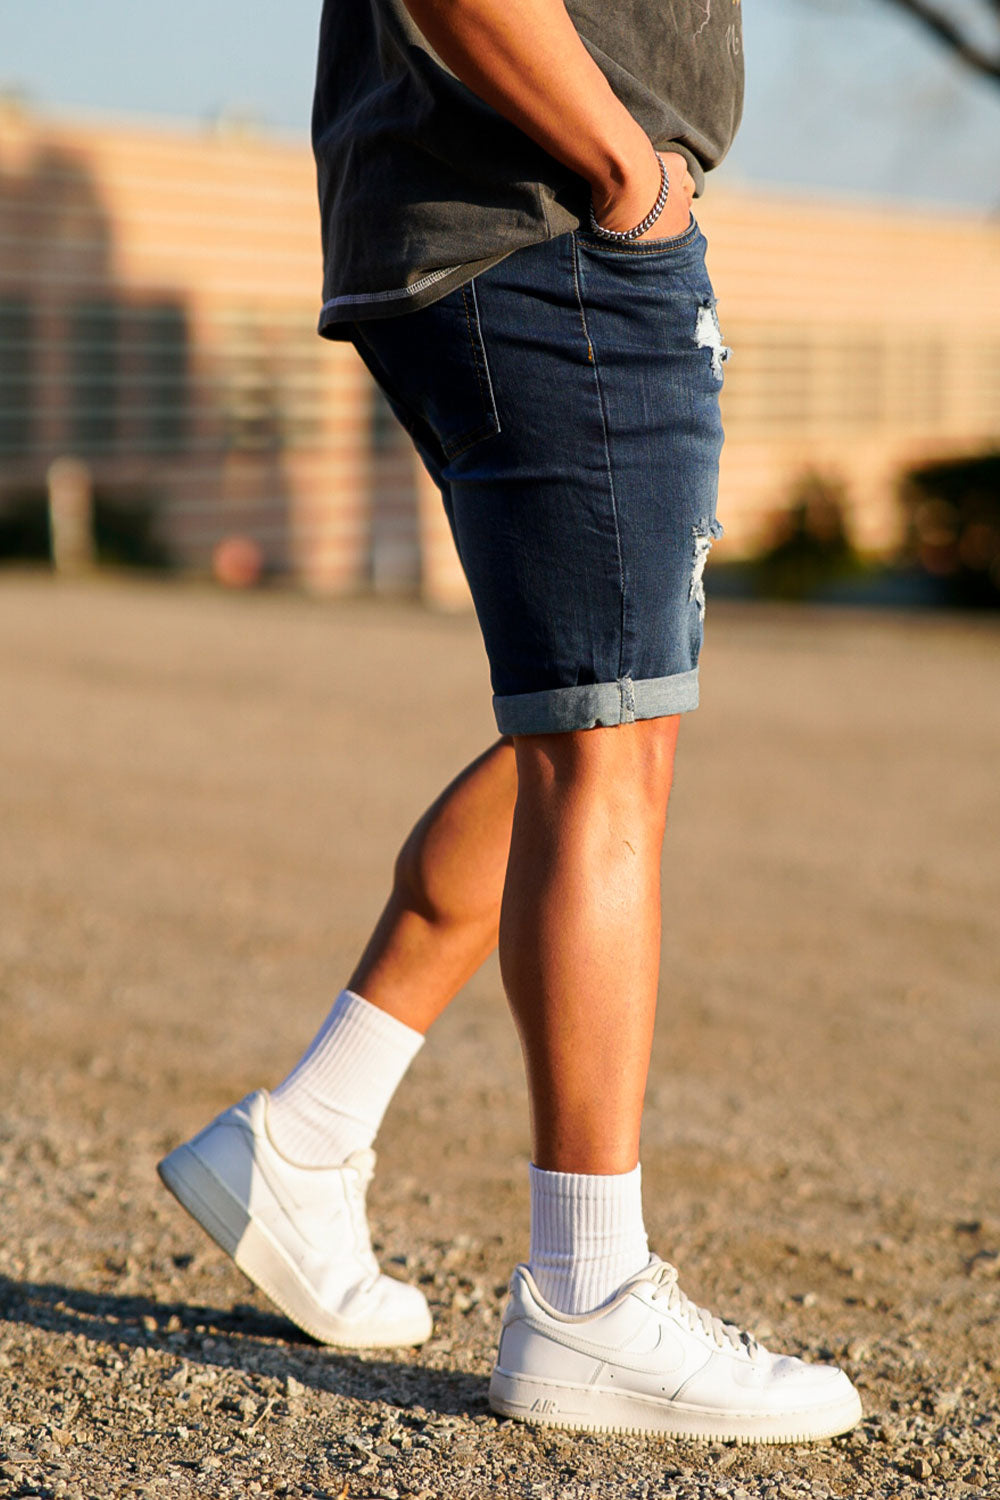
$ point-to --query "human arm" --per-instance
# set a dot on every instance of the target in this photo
(526, 59)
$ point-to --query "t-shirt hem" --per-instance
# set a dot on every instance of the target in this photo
(337, 315)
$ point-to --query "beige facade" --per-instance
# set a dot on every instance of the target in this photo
(158, 299)
(865, 338)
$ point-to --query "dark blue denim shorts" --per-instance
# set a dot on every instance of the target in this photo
(566, 402)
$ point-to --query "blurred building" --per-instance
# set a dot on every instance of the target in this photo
(158, 298)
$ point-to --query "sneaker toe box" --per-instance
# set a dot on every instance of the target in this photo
(384, 1310)
(770, 1383)
(804, 1384)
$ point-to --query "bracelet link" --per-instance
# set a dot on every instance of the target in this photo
(624, 235)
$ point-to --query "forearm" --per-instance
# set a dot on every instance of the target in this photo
(526, 59)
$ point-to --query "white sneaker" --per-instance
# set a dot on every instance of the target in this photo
(299, 1233)
(651, 1361)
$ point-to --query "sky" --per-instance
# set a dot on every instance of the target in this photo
(842, 95)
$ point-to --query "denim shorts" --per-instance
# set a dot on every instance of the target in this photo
(566, 402)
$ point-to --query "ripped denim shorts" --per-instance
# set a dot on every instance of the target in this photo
(566, 402)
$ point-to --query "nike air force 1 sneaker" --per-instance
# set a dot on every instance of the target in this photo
(651, 1361)
(299, 1233)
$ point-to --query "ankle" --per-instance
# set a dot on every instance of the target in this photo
(587, 1236)
(332, 1102)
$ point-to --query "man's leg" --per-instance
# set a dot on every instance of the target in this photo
(597, 1333)
(438, 926)
(580, 941)
(580, 934)
(279, 1180)
(440, 922)
(580, 954)
(580, 930)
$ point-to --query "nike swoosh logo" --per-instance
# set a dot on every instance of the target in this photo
(665, 1357)
(314, 1218)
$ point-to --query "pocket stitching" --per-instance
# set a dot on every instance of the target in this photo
(414, 421)
(490, 427)
(639, 247)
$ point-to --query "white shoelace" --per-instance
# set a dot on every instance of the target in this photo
(357, 1196)
(699, 1319)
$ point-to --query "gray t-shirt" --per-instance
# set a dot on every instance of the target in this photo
(422, 185)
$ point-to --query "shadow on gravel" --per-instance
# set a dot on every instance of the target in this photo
(241, 1339)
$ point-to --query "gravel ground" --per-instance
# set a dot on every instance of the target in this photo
(201, 795)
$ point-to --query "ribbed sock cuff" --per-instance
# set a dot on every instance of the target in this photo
(587, 1236)
(333, 1100)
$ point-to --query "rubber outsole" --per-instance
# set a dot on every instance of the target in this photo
(259, 1256)
(548, 1404)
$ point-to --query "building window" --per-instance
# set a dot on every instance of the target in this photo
(300, 376)
(94, 376)
(273, 388)
(385, 429)
(784, 381)
(161, 341)
(16, 393)
(770, 384)
(253, 397)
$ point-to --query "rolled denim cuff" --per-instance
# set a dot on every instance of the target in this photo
(593, 705)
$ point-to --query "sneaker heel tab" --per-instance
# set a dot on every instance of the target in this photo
(253, 1107)
(362, 1160)
(523, 1296)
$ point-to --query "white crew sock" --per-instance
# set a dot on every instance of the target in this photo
(587, 1236)
(333, 1100)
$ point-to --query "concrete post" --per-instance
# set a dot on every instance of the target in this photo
(71, 516)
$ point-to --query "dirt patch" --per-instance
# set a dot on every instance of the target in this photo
(201, 797)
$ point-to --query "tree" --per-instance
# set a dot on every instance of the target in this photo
(963, 26)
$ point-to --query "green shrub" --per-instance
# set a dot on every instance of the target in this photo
(810, 546)
(953, 527)
(124, 529)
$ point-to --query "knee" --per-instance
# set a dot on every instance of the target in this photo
(651, 756)
(631, 765)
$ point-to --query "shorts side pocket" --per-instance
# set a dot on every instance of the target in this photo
(433, 369)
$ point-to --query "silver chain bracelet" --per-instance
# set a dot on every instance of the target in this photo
(621, 235)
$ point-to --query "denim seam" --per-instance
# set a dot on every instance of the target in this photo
(627, 689)
(666, 246)
(455, 447)
(474, 347)
(416, 425)
(607, 456)
(477, 342)
(579, 306)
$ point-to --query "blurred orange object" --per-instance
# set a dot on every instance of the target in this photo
(237, 562)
